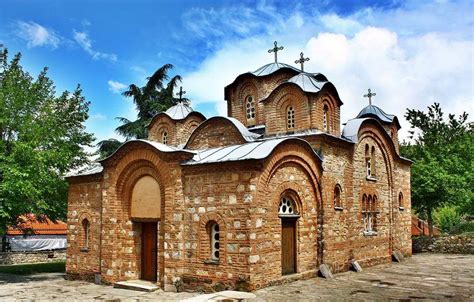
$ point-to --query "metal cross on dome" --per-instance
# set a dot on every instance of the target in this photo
(275, 49)
(180, 93)
(301, 61)
(370, 95)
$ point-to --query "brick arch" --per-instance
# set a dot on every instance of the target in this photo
(277, 103)
(306, 186)
(135, 171)
(188, 128)
(283, 156)
(245, 88)
(161, 124)
(203, 248)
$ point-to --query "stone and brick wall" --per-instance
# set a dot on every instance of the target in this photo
(178, 132)
(259, 88)
(8, 258)
(215, 132)
(84, 204)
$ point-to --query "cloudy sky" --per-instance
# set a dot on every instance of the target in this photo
(411, 53)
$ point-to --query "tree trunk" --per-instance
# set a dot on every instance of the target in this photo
(4, 243)
(430, 221)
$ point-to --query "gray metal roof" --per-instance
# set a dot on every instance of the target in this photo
(246, 133)
(307, 82)
(91, 169)
(179, 111)
(351, 129)
(271, 68)
(374, 111)
(252, 150)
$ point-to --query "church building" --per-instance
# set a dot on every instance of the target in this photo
(260, 197)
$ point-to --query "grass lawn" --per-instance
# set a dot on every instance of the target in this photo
(34, 268)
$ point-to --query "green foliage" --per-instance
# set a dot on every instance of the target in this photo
(150, 99)
(463, 228)
(42, 136)
(446, 218)
(443, 154)
(34, 268)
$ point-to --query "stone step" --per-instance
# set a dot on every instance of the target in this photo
(140, 285)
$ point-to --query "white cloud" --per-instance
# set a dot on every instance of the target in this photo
(37, 35)
(115, 86)
(98, 116)
(407, 69)
(82, 38)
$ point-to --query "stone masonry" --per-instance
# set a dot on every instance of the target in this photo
(221, 217)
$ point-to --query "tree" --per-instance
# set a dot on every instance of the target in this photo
(150, 99)
(443, 169)
(42, 137)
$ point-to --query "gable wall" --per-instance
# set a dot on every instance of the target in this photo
(216, 133)
(260, 88)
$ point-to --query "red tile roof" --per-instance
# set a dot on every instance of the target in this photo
(33, 225)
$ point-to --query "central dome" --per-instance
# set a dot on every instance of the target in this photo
(179, 111)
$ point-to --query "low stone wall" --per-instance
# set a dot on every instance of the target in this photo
(32, 257)
(459, 244)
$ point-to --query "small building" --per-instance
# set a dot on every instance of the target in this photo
(37, 235)
(419, 227)
(272, 190)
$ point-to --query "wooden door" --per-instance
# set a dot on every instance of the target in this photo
(149, 242)
(288, 246)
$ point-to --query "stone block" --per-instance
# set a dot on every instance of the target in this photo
(356, 266)
(325, 271)
(397, 256)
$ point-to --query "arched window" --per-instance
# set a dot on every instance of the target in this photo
(250, 107)
(85, 233)
(372, 162)
(214, 239)
(164, 137)
(400, 200)
(369, 213)
(337, 197)
(287, 206)
(368, 162)
(290, 117)
(325, 118)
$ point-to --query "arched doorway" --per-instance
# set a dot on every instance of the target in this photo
(146, 211)
(289, 215)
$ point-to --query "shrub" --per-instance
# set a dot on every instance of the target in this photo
(463, 228)
(446, 218)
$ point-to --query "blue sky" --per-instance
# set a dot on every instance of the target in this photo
(411, 53)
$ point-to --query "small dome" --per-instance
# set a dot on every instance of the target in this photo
(179, 111)
(309, 82)
(376, 112)
(271, 68)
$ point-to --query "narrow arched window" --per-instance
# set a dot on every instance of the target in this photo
(85, 233)
(164, 137)
(372, 162)
(337, 197)
(368, 162)
(214, 239)
(325, 118)
(290, 117)
(400, 200)
(250, 108)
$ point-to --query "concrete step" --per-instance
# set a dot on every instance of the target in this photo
(140, 285)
